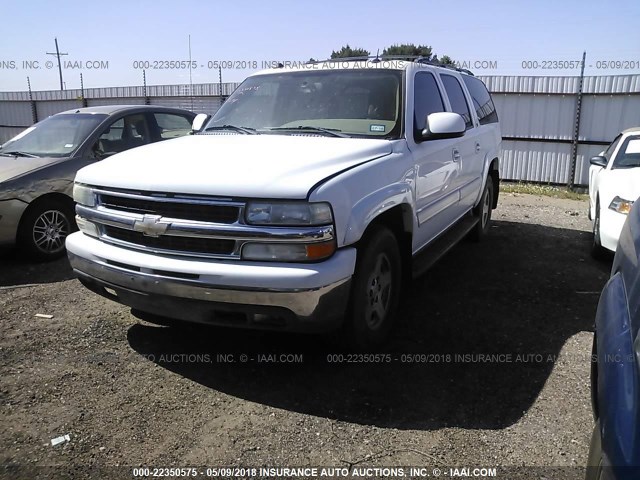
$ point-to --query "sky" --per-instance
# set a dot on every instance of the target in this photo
(111, 42)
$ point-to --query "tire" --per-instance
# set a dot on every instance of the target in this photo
(44, 228)
(375, 290)
(594, 460)
(483, 212)
(597, 250)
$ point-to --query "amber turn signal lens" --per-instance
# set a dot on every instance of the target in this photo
(317, 251)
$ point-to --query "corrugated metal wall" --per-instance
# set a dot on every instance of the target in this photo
(537, 116)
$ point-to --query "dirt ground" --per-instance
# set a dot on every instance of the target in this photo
(487, 367)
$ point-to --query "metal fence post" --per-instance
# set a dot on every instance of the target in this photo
(144, 88)
(34, 110)
(576, 127)
(222, 99)
(82, 97)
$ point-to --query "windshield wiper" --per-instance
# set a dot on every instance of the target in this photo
(334, 132)
(16, 153)
(247, 130)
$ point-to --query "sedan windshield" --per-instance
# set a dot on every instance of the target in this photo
(363, 102)
(56, 136)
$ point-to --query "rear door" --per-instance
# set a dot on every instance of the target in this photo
(468, 182)
(487, 127)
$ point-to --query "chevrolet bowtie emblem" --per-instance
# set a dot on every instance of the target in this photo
(151, 225)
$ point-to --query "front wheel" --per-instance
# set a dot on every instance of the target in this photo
(483, 212)
(44, 229)
(375, 290)
(597, 250)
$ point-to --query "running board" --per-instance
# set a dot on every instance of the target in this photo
(430, 254)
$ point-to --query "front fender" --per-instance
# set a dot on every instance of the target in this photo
(378, 202)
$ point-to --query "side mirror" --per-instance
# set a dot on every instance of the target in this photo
(598, 161)
(199, 121)
(443, 125)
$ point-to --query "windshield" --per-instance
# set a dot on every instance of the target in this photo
(629, 154)
(358, 103)
(56, 136)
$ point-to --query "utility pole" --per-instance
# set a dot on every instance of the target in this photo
(57, 54)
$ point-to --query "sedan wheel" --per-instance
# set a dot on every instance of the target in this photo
(597, 250)
(50, 231)
(44, 229)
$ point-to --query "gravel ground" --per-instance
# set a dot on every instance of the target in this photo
(489, 366)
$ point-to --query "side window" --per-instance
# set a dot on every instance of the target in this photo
(125, 133)
(482, 102)
(426, 100)
(457, 98)
(171, 125)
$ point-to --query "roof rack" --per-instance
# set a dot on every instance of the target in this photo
(408, 58)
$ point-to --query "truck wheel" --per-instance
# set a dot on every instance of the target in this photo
(44, 229)
(375, 290)
(483, 212)
(597, 250)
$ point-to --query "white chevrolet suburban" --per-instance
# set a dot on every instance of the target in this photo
(303, 204)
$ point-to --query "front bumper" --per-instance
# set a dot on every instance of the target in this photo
(296, 297)
(611, 224)
(10, 214)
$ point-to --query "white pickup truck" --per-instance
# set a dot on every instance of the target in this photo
(303, 204)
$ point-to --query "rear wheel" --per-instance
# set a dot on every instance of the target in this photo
(375, 290)
(44, 229)
(483, 212)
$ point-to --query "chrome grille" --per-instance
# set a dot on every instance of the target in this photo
(200, 212)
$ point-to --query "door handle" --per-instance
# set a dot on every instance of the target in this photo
(456, 154)
(477, 147)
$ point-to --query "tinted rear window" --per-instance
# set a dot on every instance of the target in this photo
(482, 102)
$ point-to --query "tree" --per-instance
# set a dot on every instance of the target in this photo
(446, 60)
(347, 52)
(409, 49)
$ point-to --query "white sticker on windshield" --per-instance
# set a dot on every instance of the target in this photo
(376, 128)
(68, 145)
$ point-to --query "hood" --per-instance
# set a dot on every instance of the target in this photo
(11, 167)
(623, 182)
(268, 166)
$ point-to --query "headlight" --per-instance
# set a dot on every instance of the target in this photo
(621, 205)
(291, 214)
(288, 252)
(84, 195)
